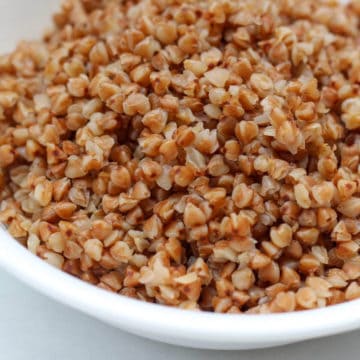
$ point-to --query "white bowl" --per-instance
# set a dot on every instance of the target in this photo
(171, 325)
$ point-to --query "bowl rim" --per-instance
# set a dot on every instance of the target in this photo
(153, 320)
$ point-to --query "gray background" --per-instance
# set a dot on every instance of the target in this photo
(34, 327)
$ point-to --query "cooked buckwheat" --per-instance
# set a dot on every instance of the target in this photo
(199, 154)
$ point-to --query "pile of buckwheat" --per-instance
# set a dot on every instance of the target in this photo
(200, 154)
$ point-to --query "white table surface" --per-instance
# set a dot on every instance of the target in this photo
(34, 327)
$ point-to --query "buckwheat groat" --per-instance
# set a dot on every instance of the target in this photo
(200, 154)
